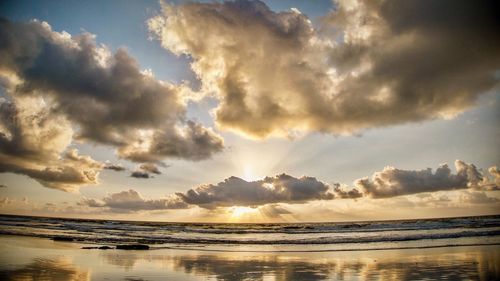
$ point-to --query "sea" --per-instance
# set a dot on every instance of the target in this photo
(348, 236)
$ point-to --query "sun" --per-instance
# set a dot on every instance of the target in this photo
(239, 212)
(248, 173)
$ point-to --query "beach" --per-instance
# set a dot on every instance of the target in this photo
(44, 248)
(32, 258)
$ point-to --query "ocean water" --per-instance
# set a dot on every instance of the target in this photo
(421, 233)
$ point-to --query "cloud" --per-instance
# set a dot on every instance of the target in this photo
(345, 192)
(61, 87)
(269, 192)
(132, 200)
(370, 64)
(194, 142)
(235, 191)
(493, 184)
(145, 170)
(114, 167)
(150, 168)
(34, 141)
(476, 198)
(140, 174)
(433, 200)
(232, 191)
(392, 182)
(105, 94)
(65, 177)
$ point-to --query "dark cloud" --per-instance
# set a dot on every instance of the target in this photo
(114, 167)
(62, 87)
(371, 64)
(131, 200)
(140, 174)
(234, 191)
(346, 192)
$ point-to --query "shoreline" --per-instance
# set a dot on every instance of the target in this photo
(264, 248)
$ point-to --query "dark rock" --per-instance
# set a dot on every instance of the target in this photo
(105, 248)
(62, 238)
(89, 248)
(132, 247)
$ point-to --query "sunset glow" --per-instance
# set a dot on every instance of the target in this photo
(296, 111)
(242, 140)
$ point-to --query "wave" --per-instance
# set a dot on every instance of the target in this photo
(221, 228)
(298, 241)
(106, 231)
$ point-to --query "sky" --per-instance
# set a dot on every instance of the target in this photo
(249, 111)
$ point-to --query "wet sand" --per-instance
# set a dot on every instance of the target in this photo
(27, 258)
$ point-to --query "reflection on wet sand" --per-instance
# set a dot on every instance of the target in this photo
(26, 258)
(471, 265)
(226, 269)
(46, 269)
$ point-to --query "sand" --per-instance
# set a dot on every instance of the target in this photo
(27, 258)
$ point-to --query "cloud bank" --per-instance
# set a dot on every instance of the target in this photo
(234, 191)
(270, 191)
(61, 87)
(370, 63)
